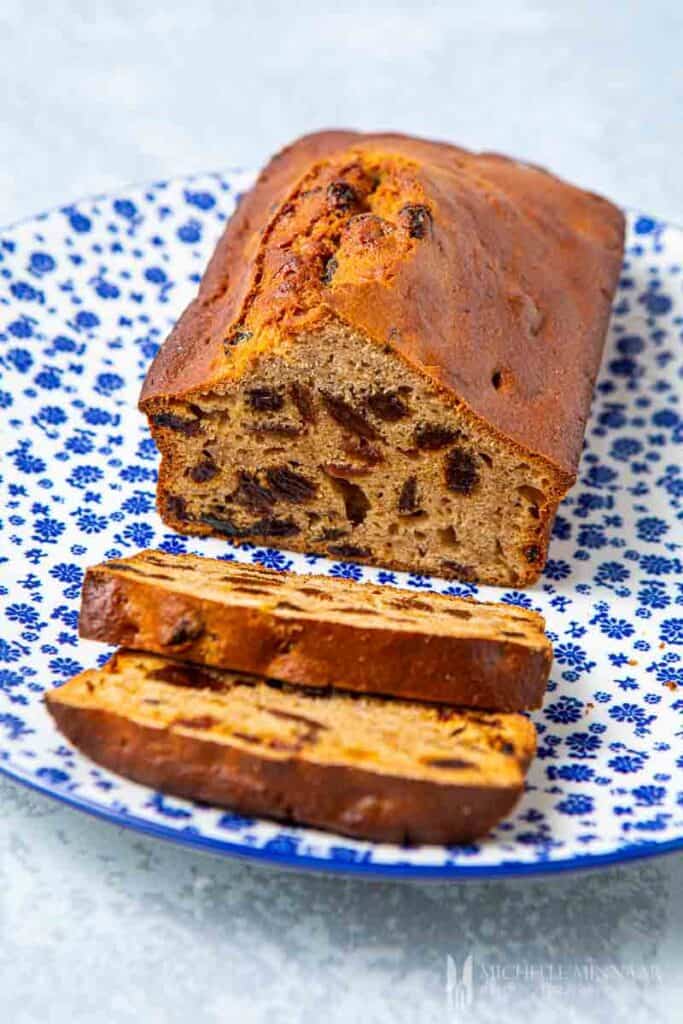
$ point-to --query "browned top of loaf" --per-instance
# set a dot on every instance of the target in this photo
(492, 277)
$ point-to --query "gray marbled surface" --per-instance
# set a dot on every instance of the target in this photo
(101, 925)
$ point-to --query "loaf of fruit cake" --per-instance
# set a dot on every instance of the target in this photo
(390, 359)
(385, 770)
(319, 631)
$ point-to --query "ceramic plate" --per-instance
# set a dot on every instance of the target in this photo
(87, 294)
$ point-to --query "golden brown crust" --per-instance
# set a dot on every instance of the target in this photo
(190, 352)
(350, 801)
(255, 776)
(509, 276)
(227, 616)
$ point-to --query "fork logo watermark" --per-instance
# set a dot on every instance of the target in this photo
(459, 990)
(466, 983)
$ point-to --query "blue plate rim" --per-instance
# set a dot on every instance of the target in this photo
(369, 869)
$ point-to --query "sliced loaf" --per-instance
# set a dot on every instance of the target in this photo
(377, 769)
(320, 631)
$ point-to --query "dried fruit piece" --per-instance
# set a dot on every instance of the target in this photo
(176, 507)
(417, 219)
(290, 486)
(236, 338)
(408, 602)
(266, 527)
(349, 551)
(432, 436)
(271, 527)
(356, 502)
(302, 396)
(407, 502)
(346, 416)
(461, 471)
(178, 423)
(464, 572)
(185, 631)
(265, 399)
(252, 494)
(199, 722)
(154, 560)
(329, 270)
(288, 606)
(333, 533)
(532, 553)
(222, 525)
(341, 196)
(387, 405)
(123, 567)
(203, 471)
(448, 762)
(248, 737)
(189, 676)
(290, 716)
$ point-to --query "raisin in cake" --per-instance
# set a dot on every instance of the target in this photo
(391, 358)
(377, 769)
(319, 631)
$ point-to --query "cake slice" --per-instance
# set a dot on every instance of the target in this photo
(377, 769)
(390, 359)
(320, 631)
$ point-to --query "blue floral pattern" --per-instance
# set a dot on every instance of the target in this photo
(87, 294)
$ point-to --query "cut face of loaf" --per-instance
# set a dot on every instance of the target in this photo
(390, 359)
(319, 631)
(366, 767)
(338, 447)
